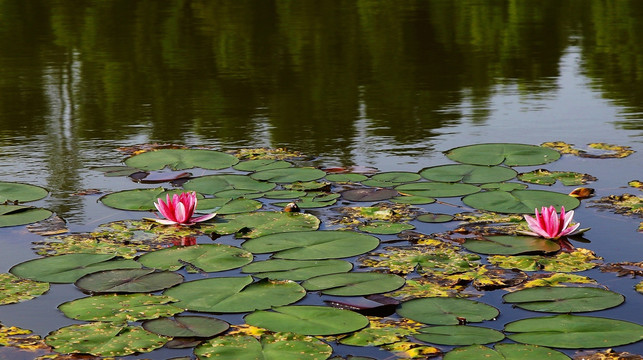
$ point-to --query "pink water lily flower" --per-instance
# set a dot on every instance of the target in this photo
(179, 209)
(550, 225)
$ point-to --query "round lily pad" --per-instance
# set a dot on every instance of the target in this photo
(354, 283)
(507, 153)
(296, 270)
(261, 164)
(119, 308)
(396, 177)
(505, 186)
(385, 227)
(215, 184)
(344, 178)
(446, 311)
(137, 199)
(270, 347)
(10, 191)
(205, 257)
(413, 200)
(186, 326)
(223, 206)
(519, 201)
(437, 189)
(564, 299)
(459, 335)
(14, 215)
(469, 174)
(180, 159)
(255, 224)
(434, 218)
(128, 281)
(284, 194)
(510, 245)
(308, 320)
(369, 194)
(14, 289)
(289, 175)
(505, 352)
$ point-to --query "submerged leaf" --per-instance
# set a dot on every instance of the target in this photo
(626, 204)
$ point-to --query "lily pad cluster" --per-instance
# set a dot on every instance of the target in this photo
(305, 281)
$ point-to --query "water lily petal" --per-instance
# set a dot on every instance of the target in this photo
(203, 218)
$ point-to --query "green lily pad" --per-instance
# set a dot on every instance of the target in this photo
(128, 281)
(510, 245)
(116, 171)
(369, 194)
(205, 257)
(519, 201)
(545, 177)
(215, 184)
(10, 191)
(14, 289)
(223, 206)
(413, 200)
(385, 227)
(437, 189)
(186, 326)
(262, 164)
(308, 320)
(284, 346)
(468, 174)
(577, 260)
(137, 199)
(354, 283)
(296, 270)
(104, 339)
(377, 336)
(434, 218)
(505, 186)
(307, 185)
(313, 200)
(289, 175)
(346, 178)
(459, 335)
(284, 194)
(445, 260)
(235, 294)
(379, 183)
(396, 177)
(238, 193)
(498, 153)
(446, 311)
(505, 352)
(119, 308)
(255, 224)
(14, 215)
(180, 159)
(574, 332)
(68, 268)
(564, 299)
(313, 245)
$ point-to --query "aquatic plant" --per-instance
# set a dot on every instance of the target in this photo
(550, 225)
(179, 209)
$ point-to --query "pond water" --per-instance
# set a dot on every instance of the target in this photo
(388, 85)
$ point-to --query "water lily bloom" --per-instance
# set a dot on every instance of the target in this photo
(550, 225)
(179, 209)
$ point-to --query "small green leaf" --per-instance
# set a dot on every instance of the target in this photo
(510, 245)
(308, 320)
(459, 335)
(354, 283)
(446, 311)
(385, 227)
(296, 270)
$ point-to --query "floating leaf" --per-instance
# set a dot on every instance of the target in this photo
(396, 177)
(234, 294)
(630, 268)
(553, 279)
(611, 151)
(498, 153)
(308, 320)
(413, 200)
(468, 174)
(385, 227)
(180, 159)
(261, 164)
(11, 192)
(136, 199)
(128, 281)
(505, 352)
(119, 308)
(381, 333)
(574, 332)
(116, 171)
(436, 189)
(215, 184)
(369, 194)
(223, 206)
(252, 225)
(626, 204)
(14, 289)
(313, 200)
(206, 257)
(564, 299)
(458, 335)
(489, 278)
(186, 326)
(354, 283)
(296, 270)
(446, 311)
(546, 177)
(267, 153)
(308, 186)
(289, 175)
(345, 178)
(429, 287)
(284, 194)
(104, 339)
(434, 218)
(69, 267)
(519, 201)
(14, 215)
(443, 259)
(269, 347)
(313, 245)
(577, 260)
(510, 245)
(639, 287)
(510, 186)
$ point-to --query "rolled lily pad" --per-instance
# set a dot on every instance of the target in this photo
(574, 332)
(354, 283)
(119, 308)
(104, 339)
(434, 218)
(313, 245)
(437, 189)
(180, 159)
(511, 245)
(289, 175)
(385, 227)
(296, 270)
(205, 257)
(68, 268)
(345, 178)
(519, 201)
(14, 289)
(186, 326)
(505, 352)
(308, 320)
(269, 347)
(369, 194)
(128, 281)
(235, 294)
(261, 164)
(14, 215)
(507, 153)
(459, 335)
(446, 311)
(10, 191)
(255, 224)
(212, 184)
(468, 174)
(564, 299)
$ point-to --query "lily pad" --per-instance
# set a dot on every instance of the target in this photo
(505, 352)
(577, 260)
(546, 177)
(564, 299)
(446, 311)
(10, 192)
(223, 206)
(434, 218)
(313, 200)
(459, 335)
(255, 224)
(396, 177)
(308, 320)
(468, 174)
(180, 159)
(296, 270)
(104, 339)
(186, 326)
(498, 153)
(505, 186)
(119, 308)
(437, 189)
(354, 283)
(574, 332)
(68, 268)
(205, 257)
(369, 194)
(128, 281)
(14, 289)
(284, 194)
(510, 245)
(136, 199)
(14, 215)
(289, 175)
(385, 227)
(235, 294)
(519, 201)
(413, 200)
(214, 184)
(312, 245)
(283, 346)
(423, 259)
(346, 178)
(261, 164)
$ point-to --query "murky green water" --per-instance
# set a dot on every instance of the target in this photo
(384, 84)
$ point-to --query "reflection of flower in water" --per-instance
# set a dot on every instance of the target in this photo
(179, 209)
(184, 241)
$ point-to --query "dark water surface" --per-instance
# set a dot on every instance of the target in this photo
(384, 84)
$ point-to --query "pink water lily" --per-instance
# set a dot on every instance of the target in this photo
(179, 209)
(550, 225)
